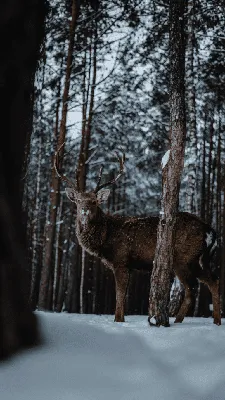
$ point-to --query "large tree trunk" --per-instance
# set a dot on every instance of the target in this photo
(55, 184)
(21, 33)
(172, 168)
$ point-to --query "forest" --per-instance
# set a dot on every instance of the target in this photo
(101, 88)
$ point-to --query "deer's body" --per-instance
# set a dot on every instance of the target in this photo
(131, 241)
(127, 243)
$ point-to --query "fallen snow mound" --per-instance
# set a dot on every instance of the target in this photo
(88, 357)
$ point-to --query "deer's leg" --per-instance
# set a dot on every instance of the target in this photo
(122, 280)
(190, 286)
(213, 286)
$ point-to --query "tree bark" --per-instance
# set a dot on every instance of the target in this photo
(87, 114)
(55, 185)
(203, 185)
(222, 276)
(209, 178)
(36, 231)
(172, 169)
(82, 282)
(192, 205)
(21, 34)
(89, 84)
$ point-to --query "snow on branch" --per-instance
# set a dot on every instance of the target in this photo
(165, 159)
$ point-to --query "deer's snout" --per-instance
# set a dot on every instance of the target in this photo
(85, 215)
(85, 212)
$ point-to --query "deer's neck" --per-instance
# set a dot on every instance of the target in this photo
(91, 235)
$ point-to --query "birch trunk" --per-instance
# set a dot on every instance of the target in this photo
(209, 178)
(36, 229)
(82, 282)
(172, 169)
(222, 276)
(57, 249)
(203, 186)
(192, 205)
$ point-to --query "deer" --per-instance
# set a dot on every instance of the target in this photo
(126, 243)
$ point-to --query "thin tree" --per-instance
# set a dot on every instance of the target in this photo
(172, 165)
(89, 85)
(192, 203)
(55, 184)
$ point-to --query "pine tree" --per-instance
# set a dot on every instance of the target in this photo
(172, 169)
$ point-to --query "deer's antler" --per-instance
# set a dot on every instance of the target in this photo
(114, 180)
(56, 165)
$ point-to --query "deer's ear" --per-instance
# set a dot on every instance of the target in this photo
(103, 195)
(71, 194)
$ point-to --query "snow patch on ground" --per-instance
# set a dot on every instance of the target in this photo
(89, 357)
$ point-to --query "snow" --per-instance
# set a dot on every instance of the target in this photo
(215, 245)
(89, 357)
(209, 237)
(165, 158)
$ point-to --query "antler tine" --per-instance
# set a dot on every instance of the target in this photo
(56, 162)
(114, 180)
(99, 178)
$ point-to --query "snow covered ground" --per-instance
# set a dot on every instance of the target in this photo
(89, 357)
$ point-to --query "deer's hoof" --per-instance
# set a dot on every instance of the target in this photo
(178, 320)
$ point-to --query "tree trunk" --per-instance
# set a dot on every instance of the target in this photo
(222, 276)
(87, 115)
(35, 234)
(82, 282)
(204, 295)
(209, 187)
(192, 207)
(55, 185)
(203, 186)
(172, 169)
(21, 34)
(87, 118)
(58, 255)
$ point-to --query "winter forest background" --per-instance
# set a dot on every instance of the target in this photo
(101, 87)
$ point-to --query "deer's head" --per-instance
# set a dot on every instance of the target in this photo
(88, 202)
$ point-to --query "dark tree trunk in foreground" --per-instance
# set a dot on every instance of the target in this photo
(172, 165)
(21, 32)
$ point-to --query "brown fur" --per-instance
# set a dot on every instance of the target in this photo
(127, 243)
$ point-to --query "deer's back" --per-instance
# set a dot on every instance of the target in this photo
(131, 241)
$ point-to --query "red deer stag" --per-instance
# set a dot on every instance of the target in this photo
(127, 243)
